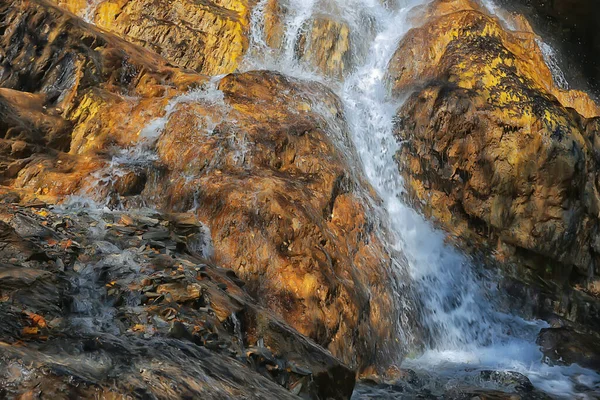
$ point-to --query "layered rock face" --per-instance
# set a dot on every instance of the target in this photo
(263, 159)
(111, 303)
(497, 154)
(209, 36)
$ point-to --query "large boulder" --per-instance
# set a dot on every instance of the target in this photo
(495, 152)
(272, 178)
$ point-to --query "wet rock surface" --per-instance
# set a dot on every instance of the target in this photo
(565, 346)
(499, 156)
(209, 37)
(263, 158)
(115, 303)
(483, 385)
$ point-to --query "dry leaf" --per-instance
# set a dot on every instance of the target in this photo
(30, 330)
(37, 319)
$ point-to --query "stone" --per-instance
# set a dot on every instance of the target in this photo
(326, 45)
(565, 346)
(209, 37)
(497, 154)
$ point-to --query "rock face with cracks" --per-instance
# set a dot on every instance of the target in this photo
(207, 36)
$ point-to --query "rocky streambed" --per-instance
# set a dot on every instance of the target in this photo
(102, 304)
(228, 199)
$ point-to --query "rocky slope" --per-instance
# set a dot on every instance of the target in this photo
(110, 303)
(255, 154)
(500, 156)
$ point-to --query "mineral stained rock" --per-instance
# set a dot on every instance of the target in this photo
(208, 36)
(499, 155)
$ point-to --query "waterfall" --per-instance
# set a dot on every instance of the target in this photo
(464, 330)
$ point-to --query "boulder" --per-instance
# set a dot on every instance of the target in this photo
(326, 44)
(494, 151)
(565, 346)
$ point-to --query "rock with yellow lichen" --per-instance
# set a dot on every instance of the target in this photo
(325, 44)
(208, 36)
(495, 152)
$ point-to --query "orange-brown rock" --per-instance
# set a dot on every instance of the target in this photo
(263, 159)
(271, 177)
(325, 44)
(208, 36)
(494, 151)
(69, 93)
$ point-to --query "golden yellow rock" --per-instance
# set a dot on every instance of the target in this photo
(325, 44)
(209, 37)
(78, 7)
(492, 148)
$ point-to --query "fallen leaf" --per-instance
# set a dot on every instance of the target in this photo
(126, 220)
(37, 319)
(30, 330)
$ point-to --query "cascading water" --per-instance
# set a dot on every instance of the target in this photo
(464, 331)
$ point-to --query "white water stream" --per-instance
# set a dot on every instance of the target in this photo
(466, 333)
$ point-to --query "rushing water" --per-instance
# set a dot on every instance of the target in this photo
(464, 331)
